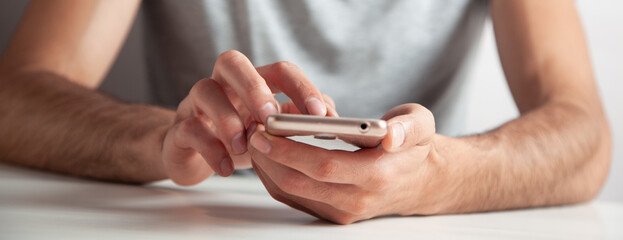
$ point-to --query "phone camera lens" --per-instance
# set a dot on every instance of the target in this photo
(364, 127)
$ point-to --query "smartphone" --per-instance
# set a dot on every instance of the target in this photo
(357, 131)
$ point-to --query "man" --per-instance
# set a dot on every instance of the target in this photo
(557, 152)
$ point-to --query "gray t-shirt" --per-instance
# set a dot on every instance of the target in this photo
(369, 56)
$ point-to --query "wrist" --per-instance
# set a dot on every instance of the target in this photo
(432, 183)
(138, 148)
(471, 176)
(446, 174)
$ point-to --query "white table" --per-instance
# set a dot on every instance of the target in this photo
(38, 205)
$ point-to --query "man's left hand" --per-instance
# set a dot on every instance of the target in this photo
(401, 176)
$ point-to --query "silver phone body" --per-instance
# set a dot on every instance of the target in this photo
(357, 131)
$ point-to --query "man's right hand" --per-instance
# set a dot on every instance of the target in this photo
(209, 132)
(55, 119)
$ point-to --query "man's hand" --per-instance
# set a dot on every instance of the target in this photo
(209, 133)
(54, 119)
(399, 177)
(557, 152)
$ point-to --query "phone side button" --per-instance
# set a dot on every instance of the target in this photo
(325, 136)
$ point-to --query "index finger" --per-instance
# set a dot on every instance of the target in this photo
(324, 165)
(289, 79)
(234, 69)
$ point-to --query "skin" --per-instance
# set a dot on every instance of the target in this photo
(557, 152)
(54, 119)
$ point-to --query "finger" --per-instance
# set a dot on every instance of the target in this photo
(408, 125)
(289, 108)
(182, 145)
(184, 110)
(242, 161)
(295, 183)
(317, 209)
(314, 208)
(334, 166)
(288, 199)
(331, 112)
(328, 100)
(209, 99)
(234, 69)
(289, 79)
(184, 166)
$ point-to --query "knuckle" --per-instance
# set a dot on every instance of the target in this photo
(291, 73)
(257, 85)
(327, 168)
(200, 87)
(202, 90)
(360, 206)
(381, 179)
(423, 111)
(423, 124)
(230, 58)
(426, 114)
(426, 127)
(431, 120)
(194, 93)
(188, 126)
(228, 126)
(414, 106)
(343, 218)
(277, 196)
(293, 184)
(203, 84)
(417, 130)
(185, 181)
(227, 120)
(283, 67)
(192, 130)
(183, 104)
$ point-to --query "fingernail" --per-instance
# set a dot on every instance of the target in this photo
(330, 111)
(267, 110)
(398, 134)
(315, 107)
(260, 143)
(227, 167)
(239, 144)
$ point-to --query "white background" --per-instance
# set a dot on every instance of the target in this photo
(489, 102)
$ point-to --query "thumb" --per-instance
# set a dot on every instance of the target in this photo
(409, 125)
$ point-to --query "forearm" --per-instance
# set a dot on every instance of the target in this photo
(50, 123)
(557, 154)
